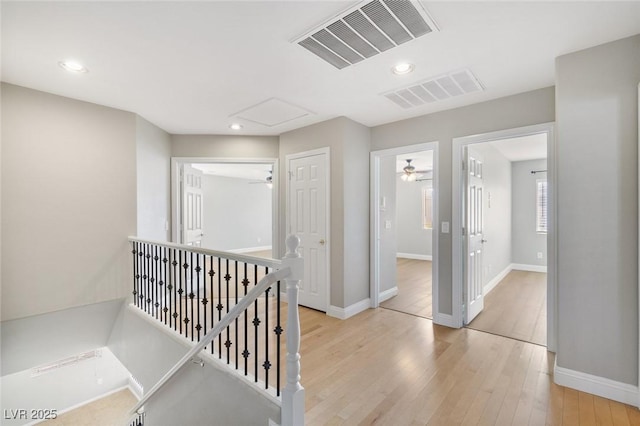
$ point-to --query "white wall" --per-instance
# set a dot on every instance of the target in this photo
(505, 113)
(224, 146)
(526, 242)
(68, 202)
(237, 214)
(413, 239)
(388, 236)
(497, 211)
(597, 161)
(153, 161)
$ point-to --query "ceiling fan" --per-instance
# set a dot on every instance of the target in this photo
(268, 180)
(410, 174)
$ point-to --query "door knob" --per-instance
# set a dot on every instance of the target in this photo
(322, 241)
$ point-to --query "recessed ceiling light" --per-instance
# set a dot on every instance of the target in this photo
(73, 66)
(235, 126)
(403, 68)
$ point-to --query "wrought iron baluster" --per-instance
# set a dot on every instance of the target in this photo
(219, 306)
(165, 261)
(174, 285)
(245, 353)
(179, 296)
(235, 342)
(156, 284)
(256, 323)
(211, 295)
(191, 294)
(198, 301)
(134, 251)
(278, 331)
(227, 277)
(267, 364)
(147, 272)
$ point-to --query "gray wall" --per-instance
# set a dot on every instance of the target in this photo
(497, 211)
(412, 237)
(388, 237)
(237, 214)
(210, 392)
(69, 202)
(349, 145)
(224, 146)
(513, 111)
(597, 134)
(526, 242)
(153, 158)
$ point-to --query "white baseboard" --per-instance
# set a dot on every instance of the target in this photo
(445, 319)
(414, 256)
(249, 249)
(600, 386)
(496, 280)
(387, 294)
(530, 268)
(349, 311)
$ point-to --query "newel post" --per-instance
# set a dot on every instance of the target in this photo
(293, 392)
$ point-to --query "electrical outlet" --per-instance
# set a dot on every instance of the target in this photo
(539, 255)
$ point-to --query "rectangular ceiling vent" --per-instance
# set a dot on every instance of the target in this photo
(435, 89)
(367, 29)
(73, 360)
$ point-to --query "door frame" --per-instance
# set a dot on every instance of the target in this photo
(327, 164)
(458, 145)
(374, 212)
(178, 162)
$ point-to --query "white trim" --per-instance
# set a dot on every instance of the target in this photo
(349, 311)
(496, 280)
(387, 294)
(326, 151)
(374, 259)
(176, 164)
(414, 256)
(444, 319)
(529, 268)
(249, 249)
(596, 385)
(457, 247)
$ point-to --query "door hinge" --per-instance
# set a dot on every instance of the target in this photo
(464, 231)
(290, 175)
(464, 165)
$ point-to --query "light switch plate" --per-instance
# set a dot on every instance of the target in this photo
(445, 227)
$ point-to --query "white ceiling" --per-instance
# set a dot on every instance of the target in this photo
(255, 172)
(532, 147)
(189, 66)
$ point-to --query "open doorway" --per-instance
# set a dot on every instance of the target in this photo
(226, 205)
(404, 216)
(504, 235)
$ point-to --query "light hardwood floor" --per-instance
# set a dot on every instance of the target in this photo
(112, 410)
(387, 368)
(413, 279)
(516, 308)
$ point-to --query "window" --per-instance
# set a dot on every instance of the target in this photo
(541, 206)
(427, 208)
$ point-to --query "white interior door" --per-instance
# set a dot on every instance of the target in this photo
(307, 218)
(474, 234)
(191, 190)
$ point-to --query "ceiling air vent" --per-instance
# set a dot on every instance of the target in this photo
(367, 29)
(435, 89)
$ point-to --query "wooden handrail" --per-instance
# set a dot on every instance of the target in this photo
(233, 313)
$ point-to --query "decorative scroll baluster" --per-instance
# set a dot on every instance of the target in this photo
(174, 285)
(219, 306)
(256, 323)
(191, 294)
(266, 364)
(278, 331)
(235, 279)
(227, 277)
(245, 353)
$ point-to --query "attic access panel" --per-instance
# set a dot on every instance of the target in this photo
(366, 30)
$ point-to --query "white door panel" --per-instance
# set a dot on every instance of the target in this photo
(474, 235)
(307, 219)
(191, 190)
